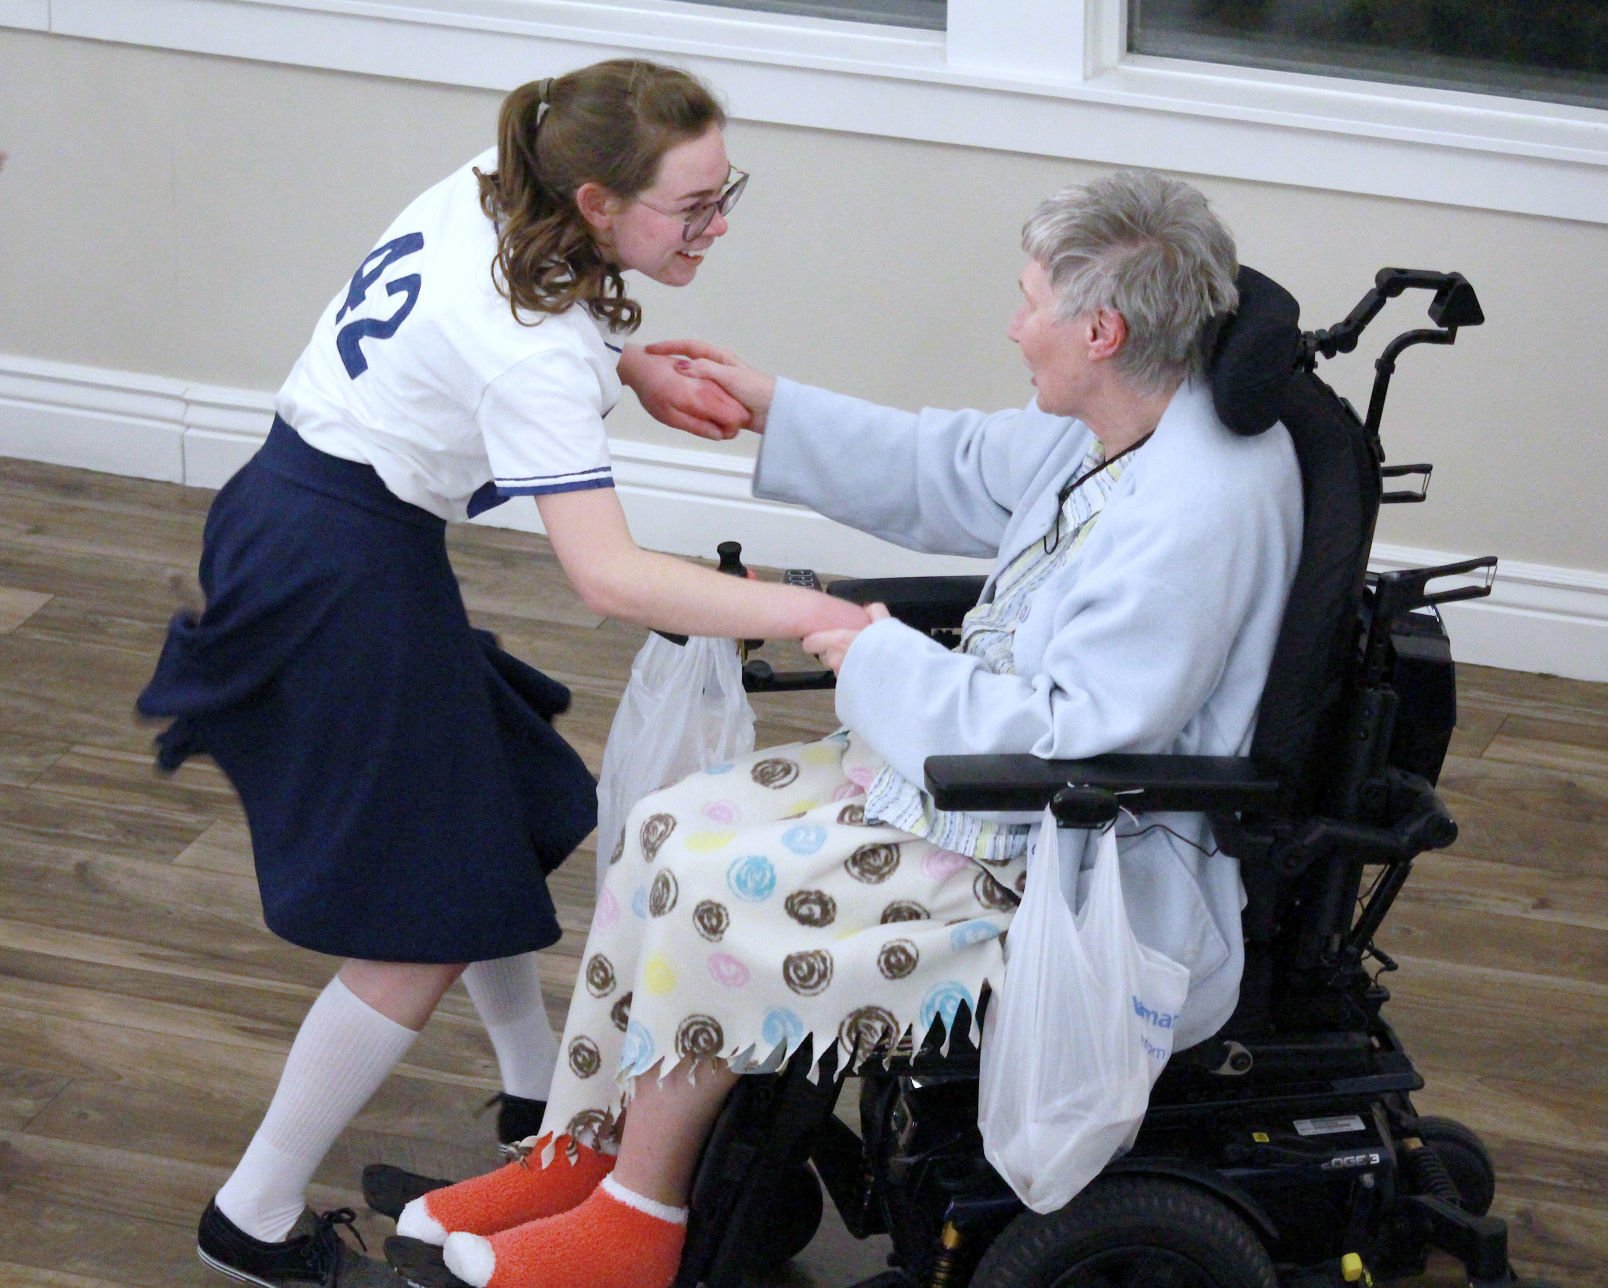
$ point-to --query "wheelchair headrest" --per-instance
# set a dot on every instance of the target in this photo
(1255, 352)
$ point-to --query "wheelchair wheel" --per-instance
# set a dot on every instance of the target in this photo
(1129, 1232)
(1467, 1161)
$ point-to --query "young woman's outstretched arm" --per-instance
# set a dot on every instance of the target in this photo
(619, 579)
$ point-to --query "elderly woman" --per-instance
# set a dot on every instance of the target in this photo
(1143, 555)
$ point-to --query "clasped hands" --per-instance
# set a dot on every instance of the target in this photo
(832, 646)
(697, 387)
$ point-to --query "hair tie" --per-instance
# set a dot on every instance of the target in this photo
(544, 89)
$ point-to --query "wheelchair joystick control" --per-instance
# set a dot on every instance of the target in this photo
(730, 554)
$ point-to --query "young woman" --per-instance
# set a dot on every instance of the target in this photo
(405, 790)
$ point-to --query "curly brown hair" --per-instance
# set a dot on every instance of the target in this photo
(611, 124)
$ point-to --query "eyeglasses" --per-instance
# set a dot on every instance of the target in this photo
(698, 218)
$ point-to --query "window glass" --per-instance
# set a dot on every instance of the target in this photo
(1541, 49)
(929, 14)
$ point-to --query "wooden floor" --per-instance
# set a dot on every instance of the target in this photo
(145, 1012)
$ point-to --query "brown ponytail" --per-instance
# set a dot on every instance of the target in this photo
(610, 123)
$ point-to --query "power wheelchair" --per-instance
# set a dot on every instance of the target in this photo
(1285, 1152)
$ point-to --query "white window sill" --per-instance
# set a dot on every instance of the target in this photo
(1350, 136)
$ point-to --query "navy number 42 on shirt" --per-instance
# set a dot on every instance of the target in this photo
(349, 339)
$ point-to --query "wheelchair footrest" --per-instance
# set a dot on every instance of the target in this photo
(419, 1264)
(839, 1158)
(1479, 1242)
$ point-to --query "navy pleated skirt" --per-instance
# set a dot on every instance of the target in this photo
(404, 786)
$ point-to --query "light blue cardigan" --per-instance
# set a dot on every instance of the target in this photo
(1155, 637)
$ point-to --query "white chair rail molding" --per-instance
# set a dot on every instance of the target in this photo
(1537, 618)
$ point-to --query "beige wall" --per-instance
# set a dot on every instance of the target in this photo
(187, 217)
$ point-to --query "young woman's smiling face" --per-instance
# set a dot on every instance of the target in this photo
(645, 233)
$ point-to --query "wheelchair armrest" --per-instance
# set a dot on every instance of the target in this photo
(925, 603)
(1199, 784)
(759, 676)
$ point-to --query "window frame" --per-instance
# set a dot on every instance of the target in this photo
(926, 14)
(1043, 77)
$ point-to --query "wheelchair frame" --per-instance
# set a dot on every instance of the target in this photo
(1293, 1129)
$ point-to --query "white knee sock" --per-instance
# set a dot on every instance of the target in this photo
(507, 993)
(341, 1055)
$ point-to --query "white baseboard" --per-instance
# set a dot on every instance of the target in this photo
(684, 501)
(109, 421)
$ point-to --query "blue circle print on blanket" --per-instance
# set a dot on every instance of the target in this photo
(942, 1001)
(636, 1054)
(972, 932)
(781, 1027)
(805, 839)
(752, 877)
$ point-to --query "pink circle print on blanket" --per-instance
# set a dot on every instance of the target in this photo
(940, 865)
(727, 971)
(608, 910)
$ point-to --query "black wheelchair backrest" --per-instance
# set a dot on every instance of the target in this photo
(1315, 653)
(1257, 379)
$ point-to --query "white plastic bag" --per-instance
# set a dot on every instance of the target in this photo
(683, 710)
(1079, 1029)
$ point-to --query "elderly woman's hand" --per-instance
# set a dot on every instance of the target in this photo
(833, 646)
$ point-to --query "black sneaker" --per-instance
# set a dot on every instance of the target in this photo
(517, 1117)
(313, 1254)
(387, 1189)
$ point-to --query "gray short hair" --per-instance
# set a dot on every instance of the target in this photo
(1148, 247)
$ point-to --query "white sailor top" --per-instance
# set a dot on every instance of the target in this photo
(419, 369)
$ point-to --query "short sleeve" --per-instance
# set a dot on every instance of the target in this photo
(542, 423)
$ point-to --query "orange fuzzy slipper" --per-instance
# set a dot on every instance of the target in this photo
(518, 1192)
(616, 1239)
